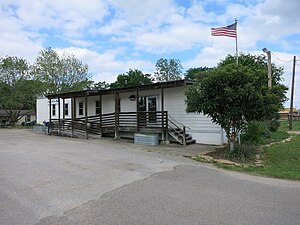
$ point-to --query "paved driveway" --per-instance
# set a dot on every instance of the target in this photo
(56, 180)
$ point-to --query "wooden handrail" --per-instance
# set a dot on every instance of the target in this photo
(182, 128)
(144, 119)
(175, 121)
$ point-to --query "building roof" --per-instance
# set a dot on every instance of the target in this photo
(169, 84)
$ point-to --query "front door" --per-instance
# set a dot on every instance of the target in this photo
(147, 108)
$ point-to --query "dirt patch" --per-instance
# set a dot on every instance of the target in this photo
(218, 153)
(221, 153)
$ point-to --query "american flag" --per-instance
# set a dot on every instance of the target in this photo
(228, 31)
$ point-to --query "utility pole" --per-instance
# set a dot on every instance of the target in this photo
(269, 67)
(292, 95)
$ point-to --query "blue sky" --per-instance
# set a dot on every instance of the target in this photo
(112, 36)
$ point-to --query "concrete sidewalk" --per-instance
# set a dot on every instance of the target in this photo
(168, 149)
(174, 149)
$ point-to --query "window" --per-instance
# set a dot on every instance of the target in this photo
(28, 118)
(53, 109)
(66, 109)
(142, 104)
(80, 109)
(97, 108)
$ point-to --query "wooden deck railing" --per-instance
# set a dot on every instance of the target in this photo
(156, 122)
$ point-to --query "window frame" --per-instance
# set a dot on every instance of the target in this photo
(66, 109)
(53, 111)
(97, 107)
(80, 108)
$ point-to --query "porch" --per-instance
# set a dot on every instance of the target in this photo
(117, 113)
(124, 125)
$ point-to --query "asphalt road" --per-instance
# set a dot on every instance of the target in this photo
(55, 180)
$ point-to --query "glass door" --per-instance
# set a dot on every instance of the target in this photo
(151, 108)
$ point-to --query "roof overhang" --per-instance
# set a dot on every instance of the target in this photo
(154, 86)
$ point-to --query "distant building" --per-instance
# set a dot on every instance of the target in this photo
(284, 114)
(27, 117)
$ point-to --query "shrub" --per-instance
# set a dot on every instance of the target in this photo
(242, 152)
(274, 123)
(256, 132)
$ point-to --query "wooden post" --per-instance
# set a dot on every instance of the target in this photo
(50, 117)
(73, 115)
(163, 128)
(269, 67)
(137, 112)
(183, 138)
(59, 122)
(269, 70)
(64, 114)
(292, 95)
(167, 127)
(86, 115)
(100, 119)
(117, 114)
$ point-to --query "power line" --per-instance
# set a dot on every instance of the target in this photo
(281, 59)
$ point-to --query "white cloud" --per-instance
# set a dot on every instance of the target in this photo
(272, 20)
(105, 66)
(151, 12)
(197, 13)
(69, 17)
(16, 41)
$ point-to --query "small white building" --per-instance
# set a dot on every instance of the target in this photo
(156, 108)
(27, 117)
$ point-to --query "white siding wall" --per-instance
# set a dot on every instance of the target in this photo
(126, 104)
(108, 104)
(42, 109)
(202, 129)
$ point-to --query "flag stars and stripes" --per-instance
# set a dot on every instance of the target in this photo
(228, 31)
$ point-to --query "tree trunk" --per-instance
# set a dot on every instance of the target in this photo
(232, 139)
(231, 145)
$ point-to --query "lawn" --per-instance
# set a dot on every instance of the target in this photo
(284, 125)
(281, 160)
(276, 137)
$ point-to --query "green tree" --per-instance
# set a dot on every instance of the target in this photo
(61, 73)
(18, 90)
(100, 85)
(131, 78)
(168, 70)
(196, 73)
(234, 94)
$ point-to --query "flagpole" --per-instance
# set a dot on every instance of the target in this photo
(236, 45)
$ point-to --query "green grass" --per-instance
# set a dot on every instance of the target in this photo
(284, 125)
(281, 160)
(276, 137)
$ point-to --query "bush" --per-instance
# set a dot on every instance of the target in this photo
(241, 152)
(274, 124)
(256, 133)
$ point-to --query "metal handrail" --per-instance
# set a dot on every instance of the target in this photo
(175, 121)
